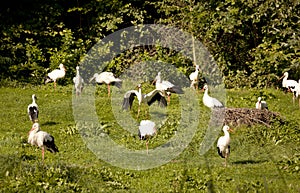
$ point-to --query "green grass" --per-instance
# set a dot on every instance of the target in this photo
(262, 159)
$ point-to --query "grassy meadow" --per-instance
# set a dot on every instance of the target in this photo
(263, 159)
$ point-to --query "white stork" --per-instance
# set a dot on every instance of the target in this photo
(107, 78)
(194, 77)
(261, 104)
(223, 144)
(56, 74)
(149, 98)
(291, 85)
(78, 82)
(33, 110)
(166, 86)
(297, 92)
(146, 130)
(210, 101)
(41, 139)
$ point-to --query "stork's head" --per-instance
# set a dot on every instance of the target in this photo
(33, 97)
(95, 76)
(285, 75)
(77, 67)
(157, 78)
(62, 67)
(205, 87)
(226, 128)
(35, 128)
(259, 99)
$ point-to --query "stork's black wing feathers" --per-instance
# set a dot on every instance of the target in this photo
(139, 134)
(118, 84)
(50, 145)
(128, 100)
(131, 99)
(33, 113)
(291, 87)
(176, 89)
(47, 79)
(220, 152)
(125, 104)
(162, 102)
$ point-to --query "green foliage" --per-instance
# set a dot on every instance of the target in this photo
(253, 42)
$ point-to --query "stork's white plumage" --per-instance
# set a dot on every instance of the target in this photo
(146, 130)
(210, 101)
(194, 77)
(107, 78)
(56, 74)
(149, 98)
(297, 92)
(289, 84)
(166, 87)
(33, 110)
(223, 144)
(41, 139)
(78, 82)
(261, 104)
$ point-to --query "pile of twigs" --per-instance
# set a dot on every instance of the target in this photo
(246, 116)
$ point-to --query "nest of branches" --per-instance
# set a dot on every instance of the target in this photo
(247, 116)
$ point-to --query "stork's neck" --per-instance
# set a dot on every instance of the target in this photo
(226, 133)
(259, 105)
(158, 79)
(206, 91)
(197, 70)
(33, 130)
(33, 99)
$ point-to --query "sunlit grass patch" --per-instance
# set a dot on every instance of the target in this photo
(263, 159)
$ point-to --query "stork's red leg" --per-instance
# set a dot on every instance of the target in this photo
(43, 153)
(108, 88)
(138, 111)
(147, 146)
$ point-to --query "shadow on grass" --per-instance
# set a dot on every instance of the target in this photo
(241, 162)
(28, 157)
(49, 123)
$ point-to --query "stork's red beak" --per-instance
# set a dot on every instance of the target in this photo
(30, 130)
(281, 77)
(154, 81)
(231, 130)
